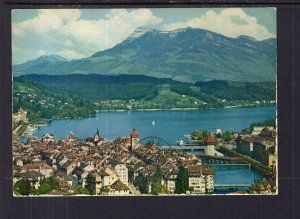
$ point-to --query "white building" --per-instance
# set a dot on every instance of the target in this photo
(201, 179)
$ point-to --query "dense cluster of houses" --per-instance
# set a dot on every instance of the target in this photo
(118, 167)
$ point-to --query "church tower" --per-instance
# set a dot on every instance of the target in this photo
(97, 136)
(134, 139)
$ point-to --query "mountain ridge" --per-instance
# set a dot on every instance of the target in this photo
(186, 54)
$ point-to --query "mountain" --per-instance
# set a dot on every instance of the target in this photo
(39, 63)
(185, 54)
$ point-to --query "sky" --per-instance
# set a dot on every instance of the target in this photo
(79, 33)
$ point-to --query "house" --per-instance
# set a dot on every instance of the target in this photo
(95, 182)
(68, 167)
(32, 176)
(200, 178)
(116, 189)
(121, 171)
(63, 177)
(48, 138)
(170, 178)
(42, 168)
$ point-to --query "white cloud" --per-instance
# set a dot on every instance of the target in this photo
(63, 32)
(231, 22)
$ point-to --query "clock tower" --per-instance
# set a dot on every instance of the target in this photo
(134, 139)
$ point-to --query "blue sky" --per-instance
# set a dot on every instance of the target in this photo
(79, 33)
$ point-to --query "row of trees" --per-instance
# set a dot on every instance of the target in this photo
(250, 160)
(201, 135)
(24, 187)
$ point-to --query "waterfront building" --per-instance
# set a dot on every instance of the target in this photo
(261, 147)
(265, 153)
(245, 144)
(200, 179)
(209, 145)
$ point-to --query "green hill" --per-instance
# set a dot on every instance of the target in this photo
(48, 96)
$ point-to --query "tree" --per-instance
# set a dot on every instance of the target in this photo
(44, 188)
(23, 187)
(80, 190)
(156, 186)
(52, 182)
(226, 136)
(144, 185)
(182, 181)
(197, 134)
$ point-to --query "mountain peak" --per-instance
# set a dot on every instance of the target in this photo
(244, 37)
(140, 31)
(51, 58)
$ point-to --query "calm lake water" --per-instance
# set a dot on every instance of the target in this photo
(170, 126)
(166, 124)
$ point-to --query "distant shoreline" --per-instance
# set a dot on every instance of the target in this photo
(155, 109)
(187, 109)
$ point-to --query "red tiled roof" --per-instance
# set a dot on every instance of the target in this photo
(209, 139)
(134, 134)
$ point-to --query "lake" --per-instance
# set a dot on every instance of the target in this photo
(166, 124)
(170, 126)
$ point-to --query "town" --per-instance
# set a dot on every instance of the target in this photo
(127, 166)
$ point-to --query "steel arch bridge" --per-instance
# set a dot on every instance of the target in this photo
(157, 140)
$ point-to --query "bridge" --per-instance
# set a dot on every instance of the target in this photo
(183, 148)
(229, 164)
(224, 186)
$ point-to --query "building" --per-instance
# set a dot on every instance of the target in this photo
(258, 129)
(170, 179)
(121, 171)
(32, 176)
(48, 138)
(245, 144)
(116, 189)
(41, 168)
(201, 179)
(94, 182)
(265, 153)
(134, 137)
(209, 145)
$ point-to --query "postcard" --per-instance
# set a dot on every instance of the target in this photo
(144, 102)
